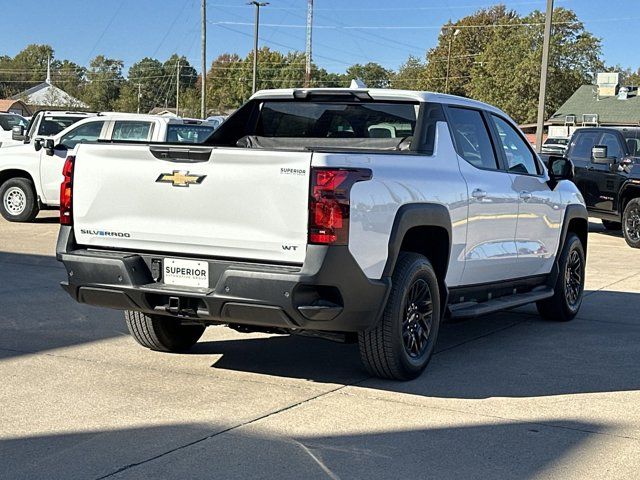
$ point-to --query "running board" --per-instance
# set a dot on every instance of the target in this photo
(475, 309)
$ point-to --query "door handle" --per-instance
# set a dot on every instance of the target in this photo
(524, 195)
(479, 194)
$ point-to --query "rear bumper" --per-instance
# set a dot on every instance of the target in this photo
(328, 293)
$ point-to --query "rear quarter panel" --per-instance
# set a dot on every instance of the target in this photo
(400, 179)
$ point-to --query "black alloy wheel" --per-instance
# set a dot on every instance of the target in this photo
(574, 282)
(631, 223)
(418, 319)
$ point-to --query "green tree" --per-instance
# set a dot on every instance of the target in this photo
(188, 78)
(69, 76)
(507, 72)
(26, 69)
(459, 45)
(372, 74)
(410, 76)
(104, 82)
(146, 77)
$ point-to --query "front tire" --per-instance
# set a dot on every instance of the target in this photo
(631, 223)
(18, 202)
(161, 333)
(402, 343)
(612, 226)
(569, 287)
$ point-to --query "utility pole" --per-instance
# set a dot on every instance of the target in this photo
(203, 83)
(139, 95)
(307, 70)
(456, 32)
(543, 74)
(178, 88)
(255, 42)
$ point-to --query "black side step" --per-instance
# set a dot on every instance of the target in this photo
(475, 309)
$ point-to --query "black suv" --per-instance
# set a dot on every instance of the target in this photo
(607, 172)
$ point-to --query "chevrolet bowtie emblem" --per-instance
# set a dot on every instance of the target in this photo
(180, 178)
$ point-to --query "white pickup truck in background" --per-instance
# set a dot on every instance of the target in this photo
(348, 214)
(7, 122)
(30, 174)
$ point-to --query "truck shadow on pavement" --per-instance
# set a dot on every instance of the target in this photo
(511, 354)
(37, 315)
(496, 449)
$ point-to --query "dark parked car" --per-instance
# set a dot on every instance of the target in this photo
(607, 172)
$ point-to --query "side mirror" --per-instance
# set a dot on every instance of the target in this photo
(560, 168)
(17, 133)
(37, 144)
(49, 146)
(599, 155)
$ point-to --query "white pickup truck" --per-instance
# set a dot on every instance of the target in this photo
(30, 174)
(339, 213)
(7, 123)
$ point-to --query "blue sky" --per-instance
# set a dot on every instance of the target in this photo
(132, 29)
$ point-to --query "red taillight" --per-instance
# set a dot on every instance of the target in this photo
(66, 192)
(329, 204)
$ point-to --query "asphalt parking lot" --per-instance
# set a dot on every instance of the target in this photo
(506, 396)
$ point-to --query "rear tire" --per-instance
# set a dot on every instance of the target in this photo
(18, 202)
(401, 344)
(612, 226)
(631, 223)
(569, 287)
(164, 334)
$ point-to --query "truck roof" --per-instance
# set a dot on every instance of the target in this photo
(376, 94)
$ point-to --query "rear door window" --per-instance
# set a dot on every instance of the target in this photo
(129, 130)
(472, 138)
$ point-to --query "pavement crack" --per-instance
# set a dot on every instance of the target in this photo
(484, 415)
(597, 290)
(226, 430)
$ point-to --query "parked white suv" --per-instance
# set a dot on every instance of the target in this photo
(339, 213)
(30, 174)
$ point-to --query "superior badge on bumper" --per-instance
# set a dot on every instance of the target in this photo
(180, 178)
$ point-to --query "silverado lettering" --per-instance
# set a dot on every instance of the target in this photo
(105, 233)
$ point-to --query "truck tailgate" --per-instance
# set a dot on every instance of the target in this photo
(240, 203)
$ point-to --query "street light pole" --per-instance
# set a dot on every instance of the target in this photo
(255, 42)
(543, 75)
(451, 37)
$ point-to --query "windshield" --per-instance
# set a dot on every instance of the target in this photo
(7, 122)
(188, 133)
(337, 120)
(53, 125)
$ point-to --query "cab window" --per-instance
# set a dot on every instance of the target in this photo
(89, 132)
(128, 130)
(519, 157)
(472, 138)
